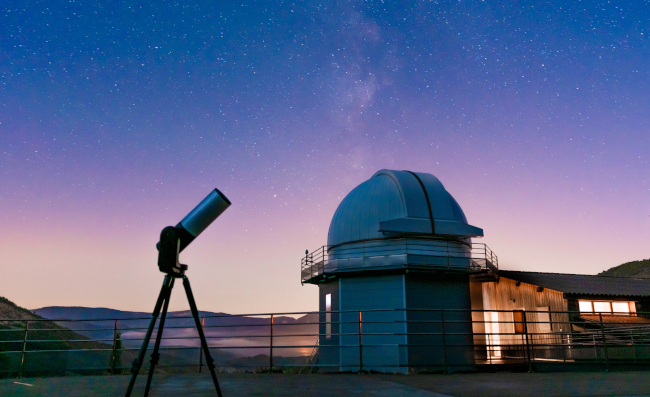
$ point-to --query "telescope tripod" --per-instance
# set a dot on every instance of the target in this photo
(163, 301)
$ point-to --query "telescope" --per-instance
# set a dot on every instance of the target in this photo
(174, 239)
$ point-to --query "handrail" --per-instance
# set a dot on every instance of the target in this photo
(568, 338)
(478, 257)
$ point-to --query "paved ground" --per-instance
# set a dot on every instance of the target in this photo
(460, 385)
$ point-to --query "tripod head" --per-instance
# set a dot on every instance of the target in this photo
(174, 239)
(168, 250)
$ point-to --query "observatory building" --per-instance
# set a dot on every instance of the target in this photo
(397, 244)
(403, 288)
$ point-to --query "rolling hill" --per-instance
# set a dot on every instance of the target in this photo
(636, 269)
(50, 347)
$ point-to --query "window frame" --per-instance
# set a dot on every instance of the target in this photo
(630, 307)
(544, 326)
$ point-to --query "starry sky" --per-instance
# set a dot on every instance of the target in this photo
(118, 117)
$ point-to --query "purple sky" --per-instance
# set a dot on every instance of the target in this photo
(116, 118)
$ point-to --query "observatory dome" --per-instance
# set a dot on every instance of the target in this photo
(398, 204)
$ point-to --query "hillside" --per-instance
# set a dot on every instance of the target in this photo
(637, 269)
(9, 310)
(48, 344)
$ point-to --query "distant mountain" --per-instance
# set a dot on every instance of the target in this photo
(86, 313)
(236, 341)
(104, 317)
(231, 336)
(637, 269)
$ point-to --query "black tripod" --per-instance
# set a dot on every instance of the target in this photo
(163, 300)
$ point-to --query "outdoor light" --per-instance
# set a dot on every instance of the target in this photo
(173, 240)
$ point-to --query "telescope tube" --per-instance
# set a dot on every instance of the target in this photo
(201, 217)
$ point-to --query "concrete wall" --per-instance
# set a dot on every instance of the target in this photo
(380, 352)
(329, 352)
(449, 291)
(385, 345)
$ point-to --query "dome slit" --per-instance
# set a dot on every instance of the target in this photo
(426, 196)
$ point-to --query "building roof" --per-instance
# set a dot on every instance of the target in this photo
(398, 202)
(583, 284)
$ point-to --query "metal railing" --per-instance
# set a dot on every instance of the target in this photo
(381, 340)
(424, 254)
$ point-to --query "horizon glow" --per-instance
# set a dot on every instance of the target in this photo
(117, 118)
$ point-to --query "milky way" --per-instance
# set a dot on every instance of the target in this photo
(116, 118)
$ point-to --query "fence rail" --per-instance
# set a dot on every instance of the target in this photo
(349, 341)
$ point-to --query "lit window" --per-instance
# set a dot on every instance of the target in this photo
(620, 307)
(492, 333)
(606, 307)
(586, 307)
(544, 319)
(602, 307)
(328, 316)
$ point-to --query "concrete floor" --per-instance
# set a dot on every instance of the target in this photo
(461, 385)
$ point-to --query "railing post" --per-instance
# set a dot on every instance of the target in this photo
(485, 254)
(530, 364)
(633, 347)
(200, 349)
(489, 336)
(602, 332)
(360, 347)
(444, 342)
(114, 347)
(22, 358)
(271, 348)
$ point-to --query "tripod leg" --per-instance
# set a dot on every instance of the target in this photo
(137, 363)
(154, 355)
(199, 328)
